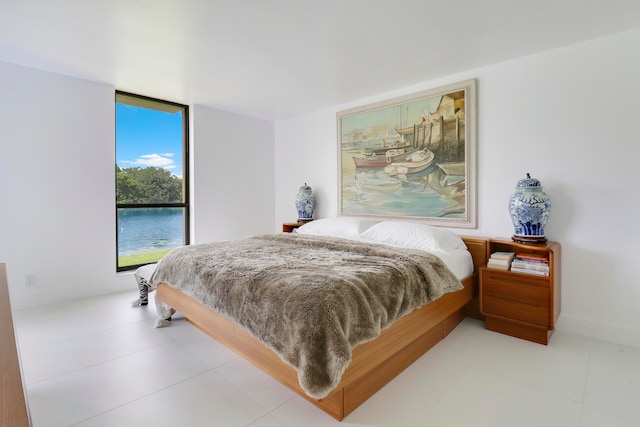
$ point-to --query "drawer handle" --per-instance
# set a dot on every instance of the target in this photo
(512, 281)
(502, 297)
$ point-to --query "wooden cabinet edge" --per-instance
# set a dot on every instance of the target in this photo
(15, 412)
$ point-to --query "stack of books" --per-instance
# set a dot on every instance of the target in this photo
(531, 264)
(501, 260)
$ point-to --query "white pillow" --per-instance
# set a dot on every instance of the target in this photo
(414, 235)
(336, 227)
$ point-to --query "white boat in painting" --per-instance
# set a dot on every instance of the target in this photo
(375, 160)
(452, 168)
(416, 162)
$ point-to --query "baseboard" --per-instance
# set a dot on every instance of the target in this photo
(599, 330)
(22, 299)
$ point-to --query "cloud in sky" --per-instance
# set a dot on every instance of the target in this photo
(155, 160)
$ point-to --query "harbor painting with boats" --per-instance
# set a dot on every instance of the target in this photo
(411, 157)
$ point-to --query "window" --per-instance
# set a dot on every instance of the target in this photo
(152, 197)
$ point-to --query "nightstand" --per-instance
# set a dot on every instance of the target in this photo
(289, 227)
(521, 304)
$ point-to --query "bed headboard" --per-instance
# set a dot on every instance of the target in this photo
(478, 248)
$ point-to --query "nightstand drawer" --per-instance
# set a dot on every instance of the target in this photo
(508, 278)
(524, 300)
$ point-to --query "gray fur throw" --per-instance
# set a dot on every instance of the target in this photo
(310, 299)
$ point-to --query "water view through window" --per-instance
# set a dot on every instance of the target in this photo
(149, 230)
(151, 189)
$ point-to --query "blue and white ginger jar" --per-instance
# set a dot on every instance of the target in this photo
(529, 207)
(305, 203)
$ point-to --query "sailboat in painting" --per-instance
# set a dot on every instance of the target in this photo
(414, 163)
(377, 161)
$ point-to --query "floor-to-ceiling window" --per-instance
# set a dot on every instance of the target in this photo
(152, 198)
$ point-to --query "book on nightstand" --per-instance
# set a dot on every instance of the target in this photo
(500, 260)
(529, 271)
(526, 265)
(532, 258)
(531, 264)
(503, 255)
(494, 263)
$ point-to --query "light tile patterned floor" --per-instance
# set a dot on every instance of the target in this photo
(99, 362)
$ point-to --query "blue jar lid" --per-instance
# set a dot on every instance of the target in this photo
(528, 182)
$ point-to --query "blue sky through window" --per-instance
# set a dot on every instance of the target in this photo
(147, 137)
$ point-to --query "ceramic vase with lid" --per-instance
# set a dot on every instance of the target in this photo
(529, 208)
(305, 203)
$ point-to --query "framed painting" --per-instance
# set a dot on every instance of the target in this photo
(412, 157)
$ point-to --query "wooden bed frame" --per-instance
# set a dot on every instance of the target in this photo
(373, 364)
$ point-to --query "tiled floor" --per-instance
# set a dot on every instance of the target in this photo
(100, 362)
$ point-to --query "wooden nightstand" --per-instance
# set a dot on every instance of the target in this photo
(288, 227)
(520, 304)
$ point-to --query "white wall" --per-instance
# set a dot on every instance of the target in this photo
(233, 175)
(57, 159)
(568, 117)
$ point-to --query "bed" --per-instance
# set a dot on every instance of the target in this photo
(334, 311)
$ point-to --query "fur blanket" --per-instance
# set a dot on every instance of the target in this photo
(310, 299)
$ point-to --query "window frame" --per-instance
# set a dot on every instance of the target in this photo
(185, 204)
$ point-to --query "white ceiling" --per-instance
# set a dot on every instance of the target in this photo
(274, 59)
